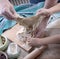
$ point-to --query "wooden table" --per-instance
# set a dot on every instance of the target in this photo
(11, 35)
(52, 52)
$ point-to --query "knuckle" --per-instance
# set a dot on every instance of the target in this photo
(11, 6)
(4, 10)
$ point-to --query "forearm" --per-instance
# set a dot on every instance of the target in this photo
(49, 40)
(55, 9)
(2, 2)
(50, 3)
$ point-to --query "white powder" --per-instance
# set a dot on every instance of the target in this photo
(22, 34)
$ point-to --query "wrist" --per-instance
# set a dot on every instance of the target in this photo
(50, 11)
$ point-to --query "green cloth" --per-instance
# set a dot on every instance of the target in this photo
(26, 10)
(22, 10)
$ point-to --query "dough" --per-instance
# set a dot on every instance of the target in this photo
(22, 34)
(30, 22)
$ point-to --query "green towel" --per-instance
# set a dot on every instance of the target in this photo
(26, 10)
(22, 10)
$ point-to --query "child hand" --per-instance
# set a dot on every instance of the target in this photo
(33, 42)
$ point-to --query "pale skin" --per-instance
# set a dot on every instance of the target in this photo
(7, 10)
(44, 41)
(48, 4)
(47, 40)
(44, 11)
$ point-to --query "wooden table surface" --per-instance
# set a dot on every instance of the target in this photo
(11, 35)
(52, 52)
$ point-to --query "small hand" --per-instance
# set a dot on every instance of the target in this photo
(33, 42)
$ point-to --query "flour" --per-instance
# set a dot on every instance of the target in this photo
(30, 23)
(22, 34)
(28, 26)
(13, 50)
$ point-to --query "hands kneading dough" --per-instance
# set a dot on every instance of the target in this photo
(31, 22)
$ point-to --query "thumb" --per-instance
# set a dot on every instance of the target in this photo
(13, 12)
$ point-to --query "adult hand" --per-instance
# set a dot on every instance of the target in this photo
(39, 31)
(7, 10)
(43, 11)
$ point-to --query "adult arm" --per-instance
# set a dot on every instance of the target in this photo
(50, 3)
(55, 39)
